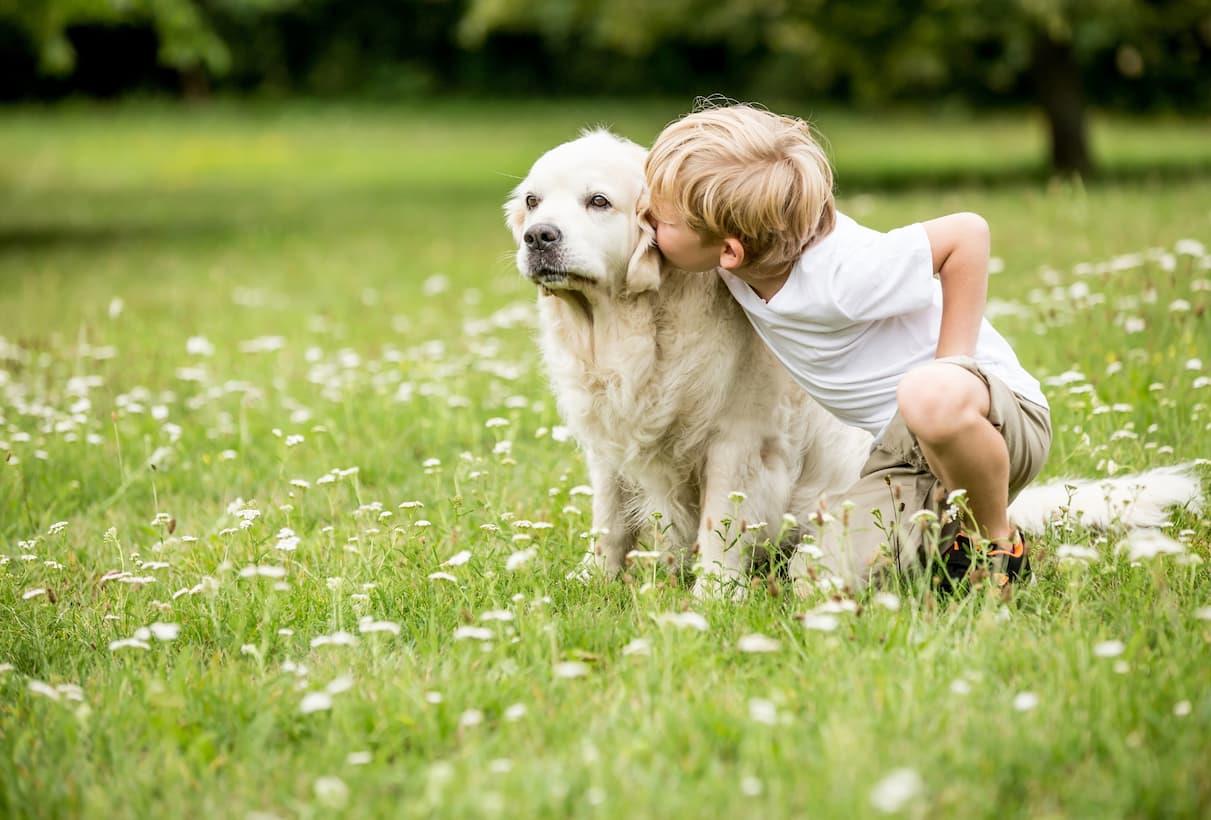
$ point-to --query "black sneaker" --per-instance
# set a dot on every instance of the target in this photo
(1005, 564)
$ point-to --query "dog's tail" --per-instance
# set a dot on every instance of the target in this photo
(1138, 500)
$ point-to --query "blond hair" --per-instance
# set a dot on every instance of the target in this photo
(742, 171)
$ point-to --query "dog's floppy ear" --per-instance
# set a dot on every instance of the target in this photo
(515, 212)
(643, 271)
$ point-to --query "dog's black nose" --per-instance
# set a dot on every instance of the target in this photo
(541, 236)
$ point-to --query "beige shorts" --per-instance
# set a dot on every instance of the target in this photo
(896, 482)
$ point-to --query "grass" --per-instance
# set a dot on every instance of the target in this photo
(371, 243)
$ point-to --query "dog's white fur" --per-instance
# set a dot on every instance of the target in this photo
(677, 403)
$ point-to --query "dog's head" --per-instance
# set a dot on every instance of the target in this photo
(578, 218)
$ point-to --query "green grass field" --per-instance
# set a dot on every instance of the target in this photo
(236, 342)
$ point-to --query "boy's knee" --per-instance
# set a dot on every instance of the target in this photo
(939, 401)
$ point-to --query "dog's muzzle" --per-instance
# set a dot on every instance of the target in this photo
(546, 263)
(542, 236)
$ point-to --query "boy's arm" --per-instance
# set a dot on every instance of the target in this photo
(960, 244)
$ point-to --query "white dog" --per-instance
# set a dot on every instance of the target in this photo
(685, 418)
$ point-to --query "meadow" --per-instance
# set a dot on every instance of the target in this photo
(287, 514)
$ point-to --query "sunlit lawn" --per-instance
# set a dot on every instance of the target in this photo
(305, 316)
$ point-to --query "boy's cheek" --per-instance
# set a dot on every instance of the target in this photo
(662, 242)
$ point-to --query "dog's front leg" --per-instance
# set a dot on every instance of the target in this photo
(613, 535)
(735, 493)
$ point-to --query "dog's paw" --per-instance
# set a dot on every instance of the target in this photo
(593, 566)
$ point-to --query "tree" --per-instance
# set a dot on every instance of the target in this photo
(188, 40)
(880, 49)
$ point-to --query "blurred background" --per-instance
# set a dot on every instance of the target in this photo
(1056, 59)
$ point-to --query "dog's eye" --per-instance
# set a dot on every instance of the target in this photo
(598, 201)
(531, 202)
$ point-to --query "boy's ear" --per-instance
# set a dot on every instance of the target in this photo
(732, 255)
(515, 213)
(643, 271)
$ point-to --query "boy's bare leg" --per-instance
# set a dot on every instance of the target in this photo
(946, 408)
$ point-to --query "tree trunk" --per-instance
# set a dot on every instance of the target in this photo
(1058, 80)
(195, 84)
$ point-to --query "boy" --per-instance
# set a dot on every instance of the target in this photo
(861, 322)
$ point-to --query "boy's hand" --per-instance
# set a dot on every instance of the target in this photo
(960, 244)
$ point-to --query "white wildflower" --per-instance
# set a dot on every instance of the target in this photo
(287, 541)
(331, 791)
(1025, 701)
(887, 600)
(763, 711)
(821, 622)
(959, 686)
(519, 559)
(165, 632)
(756, 643)
(367, 625)
(128, 643)
(1147, 543)
(263, 571)
(341, 683)
(571, 669)
(457, 559)
(475, 633)
(1108, 649)
(684, 620)
(315, 702)
(896, 790)
(1076, 552)
(199, 346)
(638, 646)
(44, 689)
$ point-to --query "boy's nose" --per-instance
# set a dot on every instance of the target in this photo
(541, 236)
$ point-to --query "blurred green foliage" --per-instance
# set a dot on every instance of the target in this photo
(1059, 54)
(185, 29)
(881, 49)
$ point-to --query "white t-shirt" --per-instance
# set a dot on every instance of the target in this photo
(860, 309)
